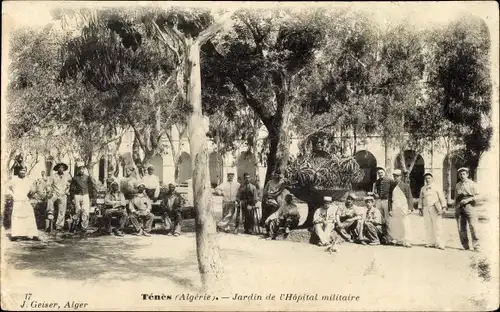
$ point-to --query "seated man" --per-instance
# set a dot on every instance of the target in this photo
(373, 230)
(140, 211)
(115, 206)
(286, 216)
(323, 220)
(172, 204)
(348, 220)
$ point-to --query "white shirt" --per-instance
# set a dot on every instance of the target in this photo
(321, 214)
(152, 182)
(229, 190)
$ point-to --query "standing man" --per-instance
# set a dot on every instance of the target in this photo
(229, 190)
(432, 203)
(115, 206)
(140, 212)
(465, 213)
(172, 204)
(286, 216)
(59, 191)
(381, 189)
(82, 187)
(400, 208)
(247, 198)
(152, 183)
(129, 183)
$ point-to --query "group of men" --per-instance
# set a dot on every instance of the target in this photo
(278, 210)
(130, 199)
(385, 217)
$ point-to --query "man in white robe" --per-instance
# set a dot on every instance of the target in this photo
(400, 208)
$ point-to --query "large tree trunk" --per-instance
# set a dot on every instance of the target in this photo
(209, 261)
(279, 139)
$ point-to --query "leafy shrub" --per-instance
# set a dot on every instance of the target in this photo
(330, 171)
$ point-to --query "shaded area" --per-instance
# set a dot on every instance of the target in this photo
(101, 259)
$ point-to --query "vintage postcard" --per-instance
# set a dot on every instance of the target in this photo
(249, 156)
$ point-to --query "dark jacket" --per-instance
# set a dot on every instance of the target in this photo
(177, 203)
(82, 185)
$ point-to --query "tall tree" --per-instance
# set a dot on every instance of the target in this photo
(263, 56)
(184, 32)
(460, 83)
(114, 56)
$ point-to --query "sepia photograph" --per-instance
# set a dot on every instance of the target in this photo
(249, 156)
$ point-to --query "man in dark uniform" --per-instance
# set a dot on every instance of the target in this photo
(381, 189)
(466, 192)
(172, 204)
(247, 198)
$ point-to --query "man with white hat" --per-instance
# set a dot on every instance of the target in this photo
(323, 220)
(373, 227)
(228, 190)
(152, 183)
(432, 203)
(400, 208)
(465, 213)
(140, 211)
(82, 187)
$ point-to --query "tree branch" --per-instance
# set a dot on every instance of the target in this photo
(137, 134)
(208, 33)
(165, 41)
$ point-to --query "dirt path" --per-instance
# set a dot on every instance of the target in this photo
(111, 273)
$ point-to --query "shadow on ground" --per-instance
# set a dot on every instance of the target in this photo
(91, 260)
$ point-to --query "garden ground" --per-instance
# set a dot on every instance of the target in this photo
(111, 273)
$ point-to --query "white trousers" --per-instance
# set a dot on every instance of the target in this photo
(323, 231)
(433, 225)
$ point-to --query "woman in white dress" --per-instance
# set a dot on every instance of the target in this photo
(23, 222)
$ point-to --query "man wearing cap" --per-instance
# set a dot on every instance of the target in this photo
(115, 206)
(349, 220)
(465, 213)
(228, 190)
(373, 229)
(172, 204)
(400, 207)
(152, 183)
(432, 203)
(286, 216)
(58, 196)
(323, 220)
(140, 211)
(381, 189)
(82, 187)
